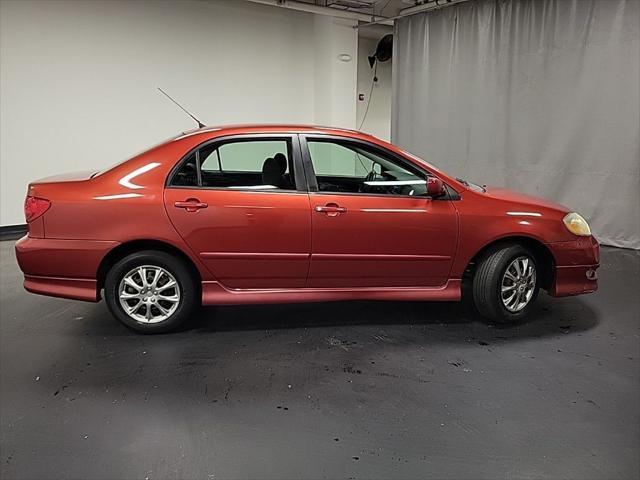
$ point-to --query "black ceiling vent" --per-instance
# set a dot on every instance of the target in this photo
(383, 50)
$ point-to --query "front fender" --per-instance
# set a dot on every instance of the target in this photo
(485, 221)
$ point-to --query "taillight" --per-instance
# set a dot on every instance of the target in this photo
(34, 207)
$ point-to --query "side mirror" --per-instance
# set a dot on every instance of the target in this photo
(435, 187)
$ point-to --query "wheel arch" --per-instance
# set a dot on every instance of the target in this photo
(543, 256)
(127, 248)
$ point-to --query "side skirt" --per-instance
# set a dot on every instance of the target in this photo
(215, 294)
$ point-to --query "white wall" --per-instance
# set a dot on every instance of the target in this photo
(78, 79)
(378, 121)
(335, 80)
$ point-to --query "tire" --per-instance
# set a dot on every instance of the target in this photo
(491, 277)
(152, 309)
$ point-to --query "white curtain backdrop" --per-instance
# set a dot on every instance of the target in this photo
(541, 96)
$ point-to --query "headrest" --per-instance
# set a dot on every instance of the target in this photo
(271, 172)
(282, 162)
(270, 166)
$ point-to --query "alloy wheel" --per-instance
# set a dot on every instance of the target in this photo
(149, 294)
(518, 284)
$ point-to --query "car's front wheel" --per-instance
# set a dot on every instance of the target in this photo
(505, 284)
(151, 291)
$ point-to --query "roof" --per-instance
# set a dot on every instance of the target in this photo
(273, 128)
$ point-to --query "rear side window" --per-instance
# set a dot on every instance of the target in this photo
(187, 175)
(239, 165)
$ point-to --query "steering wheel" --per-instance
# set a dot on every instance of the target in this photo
(371, 176)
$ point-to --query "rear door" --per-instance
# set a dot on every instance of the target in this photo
(241, 205)
(372, 223)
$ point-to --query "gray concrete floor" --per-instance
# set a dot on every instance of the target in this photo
(341, 390)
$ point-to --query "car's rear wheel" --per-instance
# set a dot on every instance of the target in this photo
(151, 291)
(505, 284)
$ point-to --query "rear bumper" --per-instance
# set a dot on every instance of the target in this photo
(576, 265)
(61, 268)
(75, 288)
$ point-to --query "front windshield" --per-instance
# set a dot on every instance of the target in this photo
(421, 160)
(471, 185)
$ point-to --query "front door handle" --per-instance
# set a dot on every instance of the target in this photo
(191, 205)
(331, 209)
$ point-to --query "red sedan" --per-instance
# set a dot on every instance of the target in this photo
(278, 214)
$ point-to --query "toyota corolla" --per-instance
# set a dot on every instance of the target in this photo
(279, 214)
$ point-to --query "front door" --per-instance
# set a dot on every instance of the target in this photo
(372, 224)
(236, 203)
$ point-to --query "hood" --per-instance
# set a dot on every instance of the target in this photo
(522, 198)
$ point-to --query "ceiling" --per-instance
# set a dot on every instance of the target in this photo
(384, 8)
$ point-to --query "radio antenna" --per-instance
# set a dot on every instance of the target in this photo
(200, 124)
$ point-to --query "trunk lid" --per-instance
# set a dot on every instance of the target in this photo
(66, 177)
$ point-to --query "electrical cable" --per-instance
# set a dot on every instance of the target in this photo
(373, 82)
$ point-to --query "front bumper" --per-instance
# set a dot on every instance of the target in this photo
(576, 265)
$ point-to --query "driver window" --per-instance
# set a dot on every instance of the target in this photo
(350, 168)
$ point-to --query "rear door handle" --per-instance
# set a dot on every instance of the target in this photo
(330, 209)
(191, 205)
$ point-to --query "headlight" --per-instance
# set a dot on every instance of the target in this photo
(576, 224)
